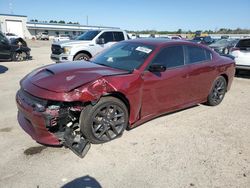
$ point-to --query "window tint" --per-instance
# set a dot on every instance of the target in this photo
(244, 43)
(196, 54)
(3, 39)
(170, 57)
(118, 36)
(209, 55)
(108, 37)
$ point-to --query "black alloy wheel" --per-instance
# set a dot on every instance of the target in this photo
(104, 121)
(218, 91)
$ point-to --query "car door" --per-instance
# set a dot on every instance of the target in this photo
(201, 71)
(5, 48)
(166, 90)
(108, 41)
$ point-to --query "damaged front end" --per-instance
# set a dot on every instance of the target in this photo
(60, 119)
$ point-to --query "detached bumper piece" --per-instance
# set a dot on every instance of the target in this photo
(76, 142)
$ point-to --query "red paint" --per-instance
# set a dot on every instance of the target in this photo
(148, 95)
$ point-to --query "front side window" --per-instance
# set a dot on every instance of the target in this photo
(124, 56)
(197, 54)
(170, 57)
(107, 36)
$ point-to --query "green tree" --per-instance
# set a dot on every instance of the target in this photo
(179, 31)
(61, 22)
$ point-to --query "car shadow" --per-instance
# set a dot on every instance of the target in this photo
(3, 69)
(83, 182)
(243, 74)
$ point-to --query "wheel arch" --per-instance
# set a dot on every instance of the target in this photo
(120, 96)
(83, 52)
(225, 76)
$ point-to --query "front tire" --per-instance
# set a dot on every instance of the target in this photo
(218, 91)
(19, 56)
(81, 56)
(104, 121)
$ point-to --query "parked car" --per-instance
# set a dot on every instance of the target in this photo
(15, 49)
(206, 40)
(11, 36)
(42, 36)
(223, 46)
(61, 37)
(86, 45)
(177, 37)
(122, 87)
(241, 52)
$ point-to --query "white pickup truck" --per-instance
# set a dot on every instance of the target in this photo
(61, 37)
(86, 45)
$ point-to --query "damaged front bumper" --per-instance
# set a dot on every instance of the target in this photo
(52, 122)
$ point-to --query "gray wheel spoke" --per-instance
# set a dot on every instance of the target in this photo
(98, 127)
(101, 133)
(114, 128)
(108, 134)
(118, 115)
(118, 122)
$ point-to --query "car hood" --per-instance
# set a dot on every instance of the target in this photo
(65, 77)
(73, 42)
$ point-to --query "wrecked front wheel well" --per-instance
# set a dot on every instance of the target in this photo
(120, 96)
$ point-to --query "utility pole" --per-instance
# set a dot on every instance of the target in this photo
(10, 7)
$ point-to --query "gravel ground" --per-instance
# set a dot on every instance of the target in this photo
(197, 147)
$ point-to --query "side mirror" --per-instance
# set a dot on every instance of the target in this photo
(157, 68)
(100, 41)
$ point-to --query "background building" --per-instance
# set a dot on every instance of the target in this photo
(19, 25)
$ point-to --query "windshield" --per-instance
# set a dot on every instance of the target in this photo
(89, 35)
(124, 56)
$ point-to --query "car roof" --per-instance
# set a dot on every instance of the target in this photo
(106, 30)
(162, 42)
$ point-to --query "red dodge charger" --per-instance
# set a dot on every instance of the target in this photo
(74, 104)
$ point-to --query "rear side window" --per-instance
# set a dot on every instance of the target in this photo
(108, 37)
(245, 43)
(118, 36)
(170, 57)
(196, 54)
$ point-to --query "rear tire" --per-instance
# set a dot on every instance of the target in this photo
(218, 91)
(104, 121)
(81, 56)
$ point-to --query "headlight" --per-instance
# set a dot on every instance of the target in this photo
(66, 49)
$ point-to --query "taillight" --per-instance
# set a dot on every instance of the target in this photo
(234, 49)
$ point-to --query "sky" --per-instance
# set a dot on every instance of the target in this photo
(138, 15)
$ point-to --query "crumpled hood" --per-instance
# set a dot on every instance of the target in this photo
(65, 77)
(72, 42)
